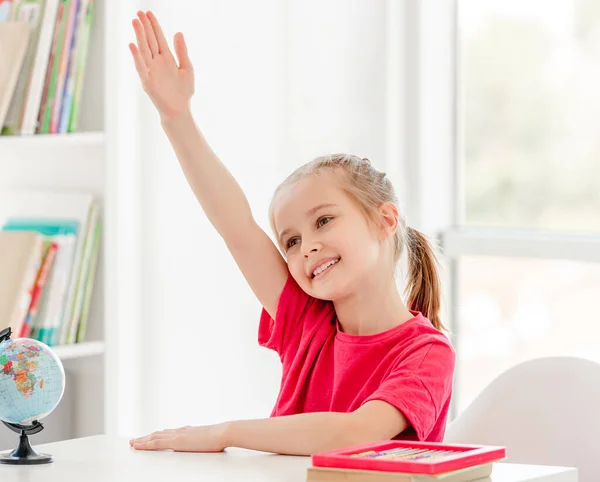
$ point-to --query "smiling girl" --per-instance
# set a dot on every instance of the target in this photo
(359, 364)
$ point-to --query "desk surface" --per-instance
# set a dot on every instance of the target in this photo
(104, 458)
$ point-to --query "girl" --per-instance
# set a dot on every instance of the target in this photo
(358, 365)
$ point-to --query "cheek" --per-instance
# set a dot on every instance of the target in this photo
(363, 249)
(296, 266)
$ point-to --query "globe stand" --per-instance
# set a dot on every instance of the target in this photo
(24, 454)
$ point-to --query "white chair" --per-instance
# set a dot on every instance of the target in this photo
(544, 411)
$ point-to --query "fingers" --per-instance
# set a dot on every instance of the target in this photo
(142, 43)
(155, 444)
(149, 33)
(154, 441)
(140, 66)
(163, 46)
(181, 51)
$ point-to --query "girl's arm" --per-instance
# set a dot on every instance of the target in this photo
(170, 86)
(302, 434)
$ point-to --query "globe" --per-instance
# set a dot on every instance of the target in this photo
(32, 381)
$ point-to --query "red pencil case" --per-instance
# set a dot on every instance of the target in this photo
(409, 457)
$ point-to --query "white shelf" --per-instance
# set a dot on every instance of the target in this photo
(79, 350)
(49, 140)
(53, 140)
(54, 161)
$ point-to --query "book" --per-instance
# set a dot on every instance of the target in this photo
(63, 67)
(14, 39)
(64, 215)
(407, 459)
(20, 260)
(69, 329)
(45, 108)
(50, 249)
(52, 309)
(85, 310)
(30, 11)
(70, 115)
(33, 99)
(477, 473)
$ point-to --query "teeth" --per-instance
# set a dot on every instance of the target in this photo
(324, 266)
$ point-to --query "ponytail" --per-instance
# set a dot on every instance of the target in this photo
(423, 286)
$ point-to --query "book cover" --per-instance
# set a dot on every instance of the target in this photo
(33, 98)
(53, 307)
(29, 11)
(50, 249)
(58, 206)
(85, 310)
(477, 473)
(63, 69)
(20, 260)
(53, 69)
(74, 100)
(14, 39)
(69, 329)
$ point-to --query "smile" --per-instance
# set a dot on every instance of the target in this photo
(318, 272)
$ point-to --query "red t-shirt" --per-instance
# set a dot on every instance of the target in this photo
(410, 366)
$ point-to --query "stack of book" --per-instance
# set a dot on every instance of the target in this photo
(49, 243)
(405, 461)
(43, 53)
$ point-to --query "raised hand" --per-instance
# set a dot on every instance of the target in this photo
(169, 84)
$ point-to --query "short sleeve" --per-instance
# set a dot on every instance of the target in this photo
(296, 313)
(420, 386)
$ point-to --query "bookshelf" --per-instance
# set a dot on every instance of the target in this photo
(101, 158)
(79, 350)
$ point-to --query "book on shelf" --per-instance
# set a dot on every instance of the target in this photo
(47, 95)
(20, 259)
(14, 37)
(49, 248)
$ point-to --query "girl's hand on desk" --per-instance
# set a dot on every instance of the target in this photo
(207, 438)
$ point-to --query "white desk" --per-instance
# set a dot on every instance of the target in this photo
(103, 458)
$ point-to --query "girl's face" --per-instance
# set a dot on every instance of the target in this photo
(330, 247)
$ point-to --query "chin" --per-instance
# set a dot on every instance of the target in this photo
(331, 291)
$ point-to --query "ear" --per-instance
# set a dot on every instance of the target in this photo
(388, 219)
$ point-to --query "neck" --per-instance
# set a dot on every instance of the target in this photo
(373, 308)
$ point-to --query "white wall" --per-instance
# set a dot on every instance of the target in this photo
(278, 82)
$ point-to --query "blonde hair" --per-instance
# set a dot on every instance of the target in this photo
(370, 188)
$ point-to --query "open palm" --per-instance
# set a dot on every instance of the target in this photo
(169, 84)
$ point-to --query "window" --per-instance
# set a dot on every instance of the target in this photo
(530, 108)
(506, 165)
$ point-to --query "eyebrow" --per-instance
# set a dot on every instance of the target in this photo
(309, 213)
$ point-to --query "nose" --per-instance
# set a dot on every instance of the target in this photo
(310, 247)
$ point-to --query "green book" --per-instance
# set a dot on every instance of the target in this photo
(61, 25)
(81, 329)
(82, 55)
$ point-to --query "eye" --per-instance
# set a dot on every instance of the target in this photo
(291, 243)
(323, 220)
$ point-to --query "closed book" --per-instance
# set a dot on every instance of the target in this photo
(14, 38)
(20, 260)
(479, 473)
